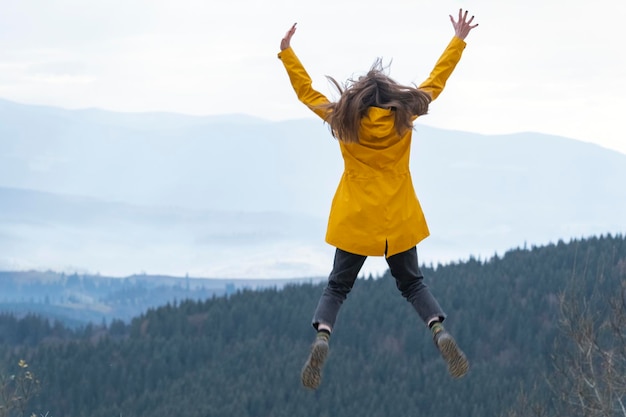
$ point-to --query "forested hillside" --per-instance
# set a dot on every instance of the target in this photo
(241, 355)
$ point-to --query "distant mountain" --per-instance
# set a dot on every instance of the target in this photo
(235, 196)
(77, 300)
(81, 234)
(225, 163)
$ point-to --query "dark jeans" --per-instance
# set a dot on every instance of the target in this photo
(403, 267)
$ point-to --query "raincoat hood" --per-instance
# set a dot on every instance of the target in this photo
(377, 126)
(380, 149)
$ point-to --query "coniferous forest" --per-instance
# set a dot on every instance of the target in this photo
(241, 355)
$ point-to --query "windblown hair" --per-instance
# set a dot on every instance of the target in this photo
(375, 89)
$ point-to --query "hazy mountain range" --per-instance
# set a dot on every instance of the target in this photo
(77, 300)
(235, 196)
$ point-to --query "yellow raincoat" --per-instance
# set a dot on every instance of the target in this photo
(375, 210)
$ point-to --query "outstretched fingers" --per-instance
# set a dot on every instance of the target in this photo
(462, 26)
(286, 40)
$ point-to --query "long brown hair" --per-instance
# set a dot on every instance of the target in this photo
(375, 89)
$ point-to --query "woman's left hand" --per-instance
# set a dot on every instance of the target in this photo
(462, 27)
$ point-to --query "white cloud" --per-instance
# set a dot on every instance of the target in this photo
(553, 67)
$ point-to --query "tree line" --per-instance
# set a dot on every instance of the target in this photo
(516, 316)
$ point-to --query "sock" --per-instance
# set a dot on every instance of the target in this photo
(323, 334)
(436, 327)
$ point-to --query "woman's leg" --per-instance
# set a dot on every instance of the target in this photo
(346, 267)
(409, 280)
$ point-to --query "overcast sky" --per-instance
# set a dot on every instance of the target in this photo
(549, 66)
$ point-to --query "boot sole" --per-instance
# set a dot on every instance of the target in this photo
(312, 371)
(454, 357)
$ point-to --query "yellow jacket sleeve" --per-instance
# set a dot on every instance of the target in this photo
(302, 83)
(443, 68)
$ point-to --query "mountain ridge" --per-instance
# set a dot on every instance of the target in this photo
(161, 185)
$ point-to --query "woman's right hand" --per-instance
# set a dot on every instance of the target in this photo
(286, 41)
